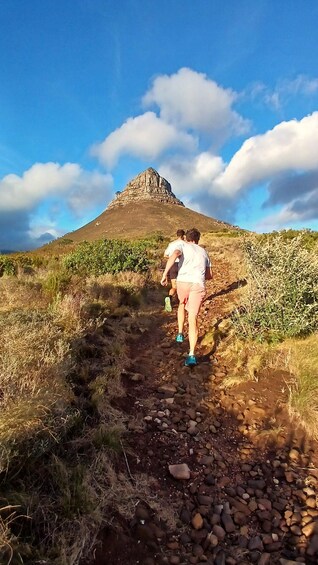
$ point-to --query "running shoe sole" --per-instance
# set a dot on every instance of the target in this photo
(168, 304)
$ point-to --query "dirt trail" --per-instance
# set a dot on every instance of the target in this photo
(246, 501)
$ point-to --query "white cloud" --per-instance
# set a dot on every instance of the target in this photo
(32, 204)
(145, 136)
(78, 187)
(289, 146)
(190, 99)
(284, 91)
(299, 85)
(189, 176)
(301, 209)
(36, 231)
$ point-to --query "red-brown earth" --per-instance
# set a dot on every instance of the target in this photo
(252, 492)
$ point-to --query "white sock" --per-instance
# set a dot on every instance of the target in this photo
(191, 352)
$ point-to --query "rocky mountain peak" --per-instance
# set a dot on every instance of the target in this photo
(148, 185)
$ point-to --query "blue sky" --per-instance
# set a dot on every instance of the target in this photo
(221, 97)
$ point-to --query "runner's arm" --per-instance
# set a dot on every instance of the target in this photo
(208, 270)
(169, 264)
(208, 273)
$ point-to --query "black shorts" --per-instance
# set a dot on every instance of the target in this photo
(173, 273)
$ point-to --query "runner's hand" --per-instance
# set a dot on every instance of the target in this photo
(164, 280)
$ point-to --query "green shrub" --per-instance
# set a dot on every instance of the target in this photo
(107, 256)
(7, 266)
(309, 238)
(65, 241)
(56, 282)
(283, 289)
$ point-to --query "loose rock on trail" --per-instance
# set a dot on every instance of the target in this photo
(225, 495)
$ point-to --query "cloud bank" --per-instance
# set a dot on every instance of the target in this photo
(191, 100)
(189, 105)
(145, 136)
(60, 185)
(289, 146)
(187, 119)
(186, 125)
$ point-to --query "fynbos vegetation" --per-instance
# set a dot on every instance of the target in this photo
(64, 326)
(65, 323)
(283, 289)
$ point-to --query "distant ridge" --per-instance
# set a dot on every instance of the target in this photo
(146, 206)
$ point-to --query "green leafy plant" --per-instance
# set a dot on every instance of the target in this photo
(107, 256)
(283, 289)
(7, 266)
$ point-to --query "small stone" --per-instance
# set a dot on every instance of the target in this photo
(264, 559)
(265, 503)
(313, 545)
(294, 455)
(255, 543)
(240, 518)
(311, 502)
(197, 550)
(219, 532)
(169, 400)
(197, 521)
(205, 500)
(180, 471)
(290, 476)
(227, 522)
(185, 515)
(212, 539)
(295, 530)
(310, 529)
(167, 388)
(252, 505)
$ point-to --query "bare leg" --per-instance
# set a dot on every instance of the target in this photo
(172, 291)
(180, 317)
(193, 332)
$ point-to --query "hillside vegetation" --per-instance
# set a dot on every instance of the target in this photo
(65, 323)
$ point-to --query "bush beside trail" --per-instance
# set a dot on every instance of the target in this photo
(283, 289)
(107, 256)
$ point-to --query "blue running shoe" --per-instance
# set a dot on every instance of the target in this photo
(168, 307)
(180, 338)
(190, 361)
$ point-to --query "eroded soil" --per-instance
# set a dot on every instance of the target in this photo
(251, 496)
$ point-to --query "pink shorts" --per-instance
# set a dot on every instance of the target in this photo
(192, 295)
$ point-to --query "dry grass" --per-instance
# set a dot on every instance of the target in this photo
(61, 361)
(140, 219)
(228, 249)
(23, 293)
(302, 361)
(246, 359)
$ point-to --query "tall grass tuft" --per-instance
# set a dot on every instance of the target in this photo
(302, 361)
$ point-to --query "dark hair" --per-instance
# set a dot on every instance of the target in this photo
(193, 235)
(180, 233)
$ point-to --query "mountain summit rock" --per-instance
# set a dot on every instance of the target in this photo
(148, 185)
(145, 206)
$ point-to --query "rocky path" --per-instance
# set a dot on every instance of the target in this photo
(222, 495)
